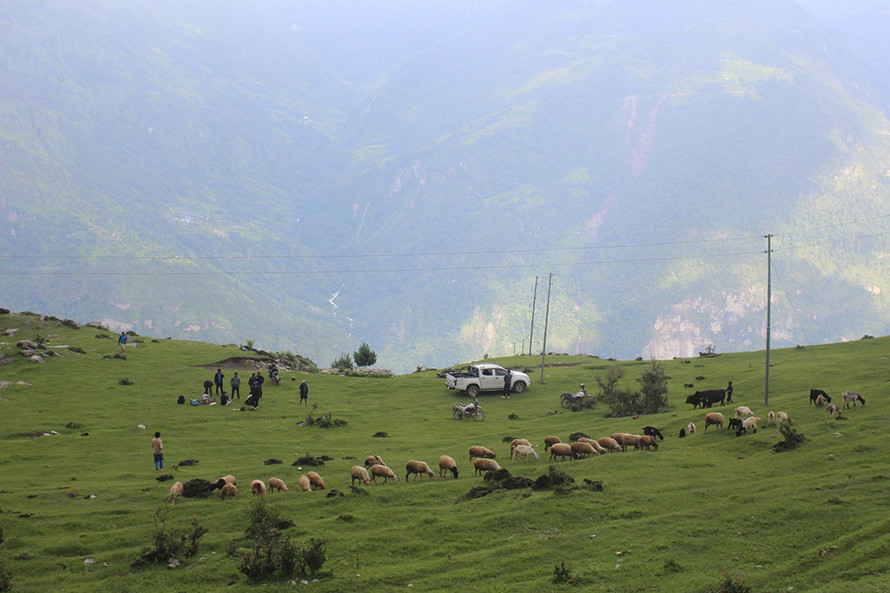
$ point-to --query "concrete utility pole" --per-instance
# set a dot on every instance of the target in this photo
(769, 298)
(531, 335)
(546, 321)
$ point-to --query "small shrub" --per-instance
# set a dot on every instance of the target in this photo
(125, 381)
(729, 584)
(562, 575)
(250, 342)
(5, 577)
(166, 545)
(673, 566)
(790, 439)
(513, 416)
(344, 363)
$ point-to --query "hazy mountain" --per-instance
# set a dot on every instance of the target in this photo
(315, 175)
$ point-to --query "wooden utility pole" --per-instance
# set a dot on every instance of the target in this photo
(531, 335)
(769, 298)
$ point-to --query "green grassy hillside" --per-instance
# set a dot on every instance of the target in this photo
(810, 519)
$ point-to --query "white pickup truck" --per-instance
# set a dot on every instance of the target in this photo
(485, 377)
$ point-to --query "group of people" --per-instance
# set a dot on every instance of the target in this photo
(255, 383)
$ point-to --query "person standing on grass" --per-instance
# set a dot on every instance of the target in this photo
(304, 392)
(729, 392)
(236, 385)
(157, 447)
(122, 340)
(508, 383)
(208, 387)
(218, 381)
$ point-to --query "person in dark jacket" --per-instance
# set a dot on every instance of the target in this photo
(508, 383)
(236, 386)
(218, 382)
(304, 392)
(208, 387)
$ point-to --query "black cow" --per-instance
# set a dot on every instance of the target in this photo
(653, 432)
(707, 398)
(815, 393)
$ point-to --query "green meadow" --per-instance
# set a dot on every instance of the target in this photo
(710, 512)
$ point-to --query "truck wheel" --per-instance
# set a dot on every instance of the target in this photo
(473, 390)
(519, 387)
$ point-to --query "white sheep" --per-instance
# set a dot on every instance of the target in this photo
(305, 483)
(479, 451)
(550, 441)
(750, 424)
(690, 428)
(418, 468)
(523, 450)
(228, 491)
(176, 489)
(782, 418)
(715, 418)
(485, 465)
(258, 488)
(359, 473)
(561, 450)
(382, 471)
(277, 484)
(316, 480)
(609, 444)
(770, 418)
(447, 464)
(743, 412)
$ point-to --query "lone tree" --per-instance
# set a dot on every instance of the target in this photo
(364, 356)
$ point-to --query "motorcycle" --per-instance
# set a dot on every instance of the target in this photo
(273, 374)
(472, 409)
(567, 400)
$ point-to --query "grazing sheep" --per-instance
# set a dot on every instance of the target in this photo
(479, 451)
(359, 473)
(580, 449)
(550, 441)
(743, 412)
(820, 401)
(230, 479)
(517, 442)
(653, 432)
(748, 424)
(277, 484)
(852, 397)
(715, 418)
(599, 449)
(525, 450)
(258, 488)
(418, 468)
(228, 491)
(770, 418)
(447, 464)
(690, 428)
(305, 483)
(562, 450)
(373, 460)
(609, 444)
(646, 441)
(833, 410)
(734, 423)
(382, 471)
(485, 465)
(176, 489)
(629, 440)
(782, 418)
(316, 481)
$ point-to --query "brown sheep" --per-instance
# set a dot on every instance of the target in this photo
(609, 444)
(560, 450)
(418, 468)
(316, 480)
(479, 451)
(258, 488)
(518, 442)
(382, 471)
(176, 489)
(277, 484)
(580, 449)
(447, 464)
(715, 418)
(485, 465)
(630, 440)
(373, 460)
(305, 483)
(228, 491)
(550, 441)
(359, 473)
(646, 442)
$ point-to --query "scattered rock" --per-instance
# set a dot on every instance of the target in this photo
(188, 462)
(89, 561)
(380, 435)
(35, 358)
(272, 462)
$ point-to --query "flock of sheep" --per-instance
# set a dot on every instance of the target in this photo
(483, 458)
